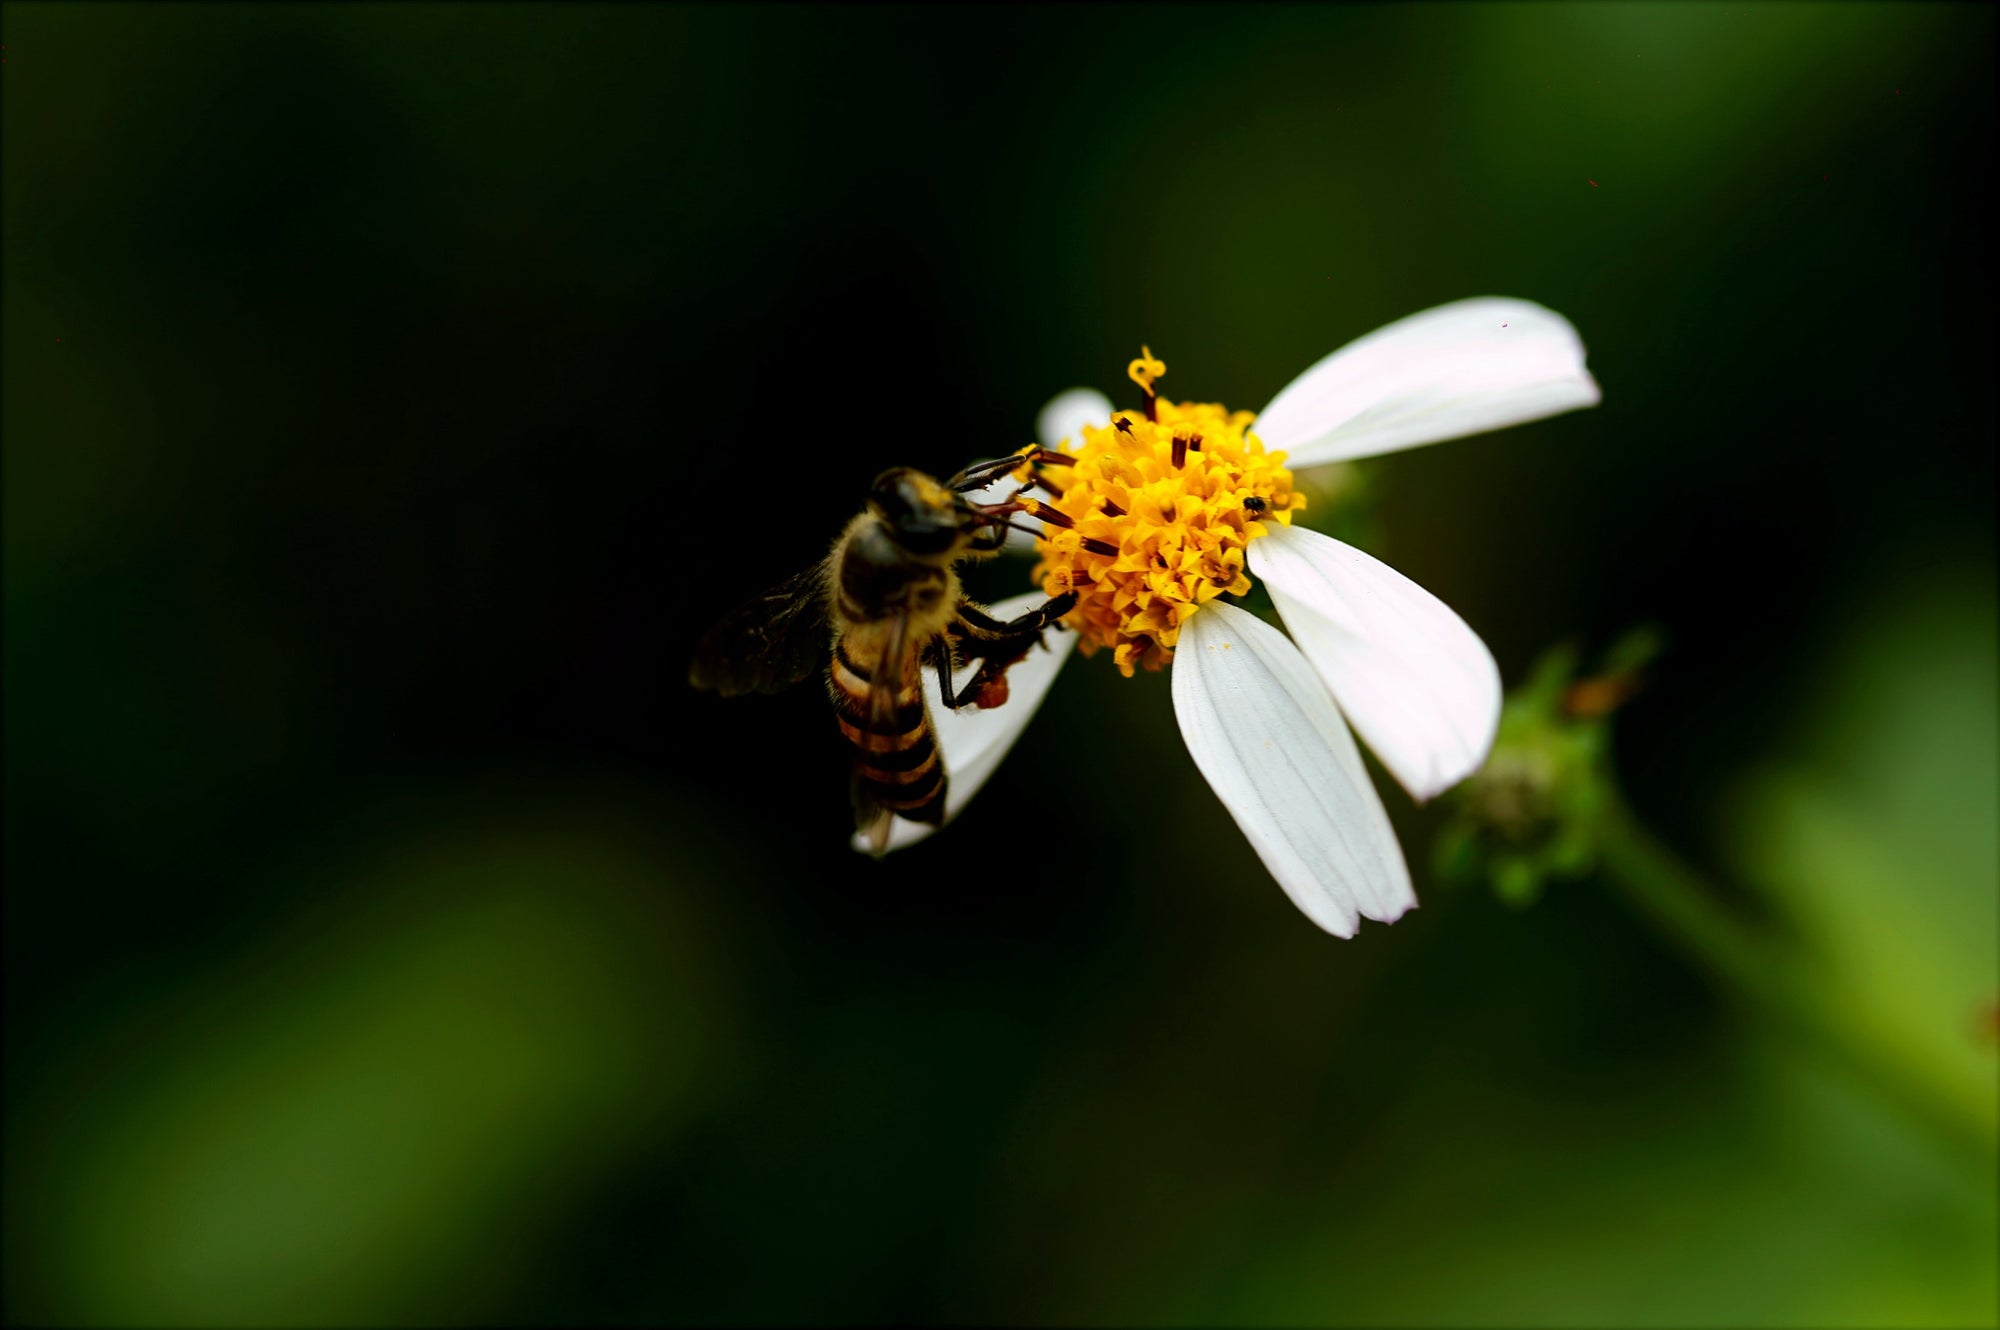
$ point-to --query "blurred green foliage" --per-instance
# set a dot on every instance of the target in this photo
(392, 392)
(381, 1113)
(1878, 844)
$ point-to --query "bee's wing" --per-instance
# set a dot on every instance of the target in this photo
(769, 642)
(871, 819)
(887, 679)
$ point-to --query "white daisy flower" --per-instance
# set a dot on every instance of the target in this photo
(1152, 516)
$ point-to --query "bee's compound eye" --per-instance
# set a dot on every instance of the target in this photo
(924, 517)
(891, 493)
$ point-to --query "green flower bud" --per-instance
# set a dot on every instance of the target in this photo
(1529, 815)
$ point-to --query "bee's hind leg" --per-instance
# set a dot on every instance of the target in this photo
(942, 658)
(998, 646)
(987, 687)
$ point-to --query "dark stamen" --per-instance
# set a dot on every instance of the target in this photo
(1123, 425)
(1195, 443)
(1110, 509)
(1096, 546)
(1253, 504)
(1180, 452)
(1049, 513)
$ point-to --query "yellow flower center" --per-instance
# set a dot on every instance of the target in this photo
(1150, 519)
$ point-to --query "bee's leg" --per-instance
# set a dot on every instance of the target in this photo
(987, 688)
(988, 685)
(987, 540)
(999, 646)
(981, 474)
(958, 641)
(984, 626)
(941, 660)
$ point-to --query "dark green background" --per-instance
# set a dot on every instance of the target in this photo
(392, 393)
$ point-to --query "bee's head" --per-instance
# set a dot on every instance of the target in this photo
(922, 515)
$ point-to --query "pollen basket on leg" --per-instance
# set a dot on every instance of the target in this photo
(1156, 510)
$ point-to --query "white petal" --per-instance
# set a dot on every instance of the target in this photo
(1459, 369)
(971, 741)
(1416, 683)
(1267, 736)
(1067, 413)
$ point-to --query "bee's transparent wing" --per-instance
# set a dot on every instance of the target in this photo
(769, 642)
(871, 819)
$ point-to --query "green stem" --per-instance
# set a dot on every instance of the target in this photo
(1686, 909)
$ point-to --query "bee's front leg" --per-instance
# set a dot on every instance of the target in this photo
(981, 474)
(987, 540)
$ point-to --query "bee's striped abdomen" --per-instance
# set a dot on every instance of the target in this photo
(896, 760)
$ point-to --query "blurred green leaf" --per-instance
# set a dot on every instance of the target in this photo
(379, 1118)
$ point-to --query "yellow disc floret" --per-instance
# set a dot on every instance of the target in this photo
(1151, 518)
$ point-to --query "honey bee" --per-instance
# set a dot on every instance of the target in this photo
(885, 602)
